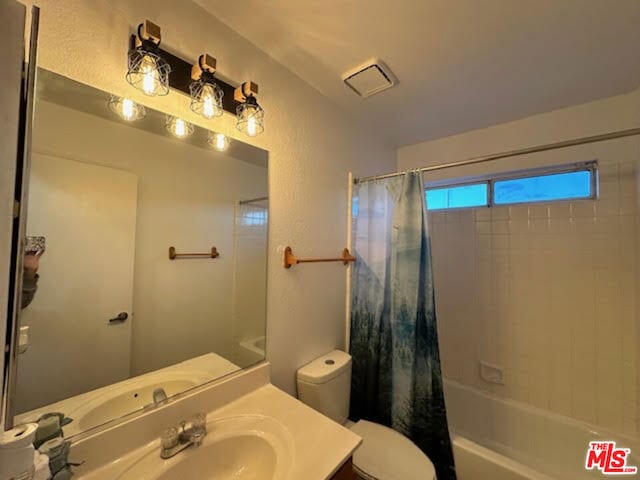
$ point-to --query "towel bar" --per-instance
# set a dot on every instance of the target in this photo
(173, 255)
(290, 259)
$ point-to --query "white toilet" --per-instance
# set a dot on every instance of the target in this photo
(325, 385)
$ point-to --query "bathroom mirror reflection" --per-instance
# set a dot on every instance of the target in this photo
(110, 323)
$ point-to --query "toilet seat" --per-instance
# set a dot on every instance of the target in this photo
(387, 455)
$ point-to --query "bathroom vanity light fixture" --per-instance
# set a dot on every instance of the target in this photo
(178, 127)
(206, 95)
(147, 70)
(219, 141)
(126, 108)
(250, 114)
(154, 71)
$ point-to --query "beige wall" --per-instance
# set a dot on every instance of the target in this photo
(312, 145)
(548, 292)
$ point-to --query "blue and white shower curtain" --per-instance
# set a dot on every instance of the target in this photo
(397, 379)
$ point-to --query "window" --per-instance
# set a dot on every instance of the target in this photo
(543, 188)
(256, 218)
(252, 216)
(568, 182)
(462, 196)
(354, 206)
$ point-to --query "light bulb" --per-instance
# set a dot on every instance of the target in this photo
(219, 141)
(150, 78)
(208, 109)
(127, 109)
(206, 99)
(252, 128)
(178, 127)
(250, 117)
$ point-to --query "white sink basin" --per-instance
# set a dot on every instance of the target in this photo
(247, 447)
(96, 407)
(119, 402)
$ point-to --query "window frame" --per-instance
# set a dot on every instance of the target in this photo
(491, 179)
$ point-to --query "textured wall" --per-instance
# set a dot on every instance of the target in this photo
(312, 145)
(548, 292)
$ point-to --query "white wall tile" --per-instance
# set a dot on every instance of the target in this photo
(550, 291)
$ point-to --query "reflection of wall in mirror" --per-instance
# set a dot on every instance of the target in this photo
(186, 197)
(88, 215)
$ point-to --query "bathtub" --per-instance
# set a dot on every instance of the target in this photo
(497, 439)
(251, 350)
(475, 462)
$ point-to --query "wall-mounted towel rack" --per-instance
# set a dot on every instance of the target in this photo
(173, 255)
(290, 259)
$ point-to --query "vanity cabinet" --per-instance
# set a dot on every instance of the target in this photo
(346, 472)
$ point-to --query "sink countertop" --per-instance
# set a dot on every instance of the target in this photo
(321, 446)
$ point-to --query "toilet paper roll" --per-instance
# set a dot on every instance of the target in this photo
(16, 452)
(18, 437)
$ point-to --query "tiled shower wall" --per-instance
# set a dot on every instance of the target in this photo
(547, 292)
(249, 276)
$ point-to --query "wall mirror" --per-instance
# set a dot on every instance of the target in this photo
(116, 325)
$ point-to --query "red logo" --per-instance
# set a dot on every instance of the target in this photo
(608, 459)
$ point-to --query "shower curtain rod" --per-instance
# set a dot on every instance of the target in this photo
(512, 153)
(253, 200)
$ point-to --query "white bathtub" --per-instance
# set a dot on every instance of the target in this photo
(496, 439)
(251, 350)
(474, 462)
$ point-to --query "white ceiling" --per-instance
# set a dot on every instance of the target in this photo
(461, 64)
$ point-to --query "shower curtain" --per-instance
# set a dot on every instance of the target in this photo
(394, 342)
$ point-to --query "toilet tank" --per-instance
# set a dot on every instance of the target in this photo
(325, 385)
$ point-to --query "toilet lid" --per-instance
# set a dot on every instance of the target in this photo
(387, 455)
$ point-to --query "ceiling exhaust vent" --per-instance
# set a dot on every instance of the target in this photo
(370, 78)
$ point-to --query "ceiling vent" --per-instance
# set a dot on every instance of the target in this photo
(370, 78)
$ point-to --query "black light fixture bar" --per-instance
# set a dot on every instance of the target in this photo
(180, 78)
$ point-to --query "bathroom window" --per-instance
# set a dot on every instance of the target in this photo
(543, 188)
(548, 184)
(253, 217)
(460, 196)
(354, 206)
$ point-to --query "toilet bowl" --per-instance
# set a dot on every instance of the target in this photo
(325, 385)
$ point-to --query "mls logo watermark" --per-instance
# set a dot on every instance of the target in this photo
(608, 459)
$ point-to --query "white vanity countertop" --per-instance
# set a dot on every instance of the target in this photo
(319, 445)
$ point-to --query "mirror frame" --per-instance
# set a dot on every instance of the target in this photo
(23, 162)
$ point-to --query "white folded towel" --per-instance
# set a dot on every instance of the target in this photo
(41, 464)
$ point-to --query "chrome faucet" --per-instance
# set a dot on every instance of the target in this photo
(159, 396)
(176, 439)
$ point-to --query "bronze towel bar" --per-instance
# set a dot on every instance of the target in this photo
(173, 255)
(290, 259)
